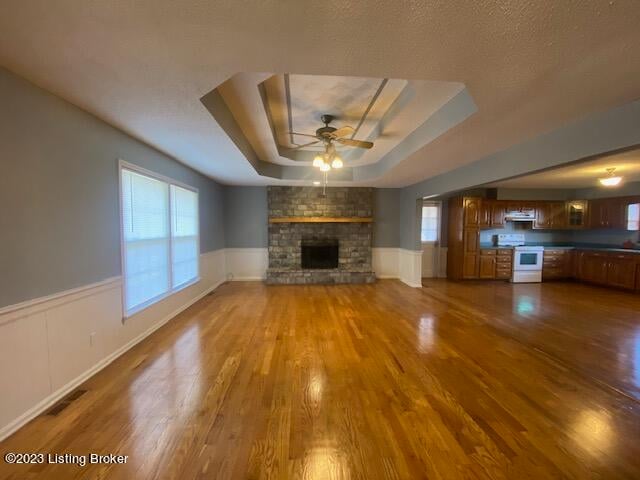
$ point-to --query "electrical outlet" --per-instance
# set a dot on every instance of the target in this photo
(92, 337)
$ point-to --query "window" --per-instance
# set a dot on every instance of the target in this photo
(160, 238)
(430, 222)
(633, 217)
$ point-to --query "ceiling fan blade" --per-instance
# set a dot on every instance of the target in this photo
(302, 134)
(342, 132)
(305, 145)
(354, 143)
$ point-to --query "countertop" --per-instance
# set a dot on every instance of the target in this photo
(564, 246)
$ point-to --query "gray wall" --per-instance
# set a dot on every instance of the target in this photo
(386, 225)
(600, 133)
(245, 217)
(59, 219)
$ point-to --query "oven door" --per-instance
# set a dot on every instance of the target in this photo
(527, 260)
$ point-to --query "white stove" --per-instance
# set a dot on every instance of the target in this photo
(527, 264)
(527, 260)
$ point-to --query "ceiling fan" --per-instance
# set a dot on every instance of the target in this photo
(328, 135)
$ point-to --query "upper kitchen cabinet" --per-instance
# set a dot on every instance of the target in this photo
(472, 208)
(608, 213)
(550, 215)
(576, 214)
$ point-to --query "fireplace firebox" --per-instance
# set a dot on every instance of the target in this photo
(319, 253)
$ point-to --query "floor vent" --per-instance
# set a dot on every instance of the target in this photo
(65, 402)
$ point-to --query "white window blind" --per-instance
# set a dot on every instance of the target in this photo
(184, 235)
(160, 238)
(430, 222)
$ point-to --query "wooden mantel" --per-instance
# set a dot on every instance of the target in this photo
(320, 220)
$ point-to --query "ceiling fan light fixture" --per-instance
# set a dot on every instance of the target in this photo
(337, 163)
(318, 161)
(325, 167)
(611, 180)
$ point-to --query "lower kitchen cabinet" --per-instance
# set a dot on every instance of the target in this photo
(621, 272)
(556, 264)
(618, 270)
(487, 264)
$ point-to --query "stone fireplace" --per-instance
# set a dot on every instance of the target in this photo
(316, 238)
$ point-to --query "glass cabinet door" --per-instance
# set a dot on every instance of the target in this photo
(576, 213)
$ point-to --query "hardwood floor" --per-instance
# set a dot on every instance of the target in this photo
(451, 381)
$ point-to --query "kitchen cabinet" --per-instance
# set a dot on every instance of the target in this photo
(485, 214)
(608, 213)
(472, 212)
(613, 269)
(487, 269)
(471, 242)
(593, 267)
(556, 264)
(550, 215)
(576, 215)
(504, 263)
(621, 271)
(498, 212)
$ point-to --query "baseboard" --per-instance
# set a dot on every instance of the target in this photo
(246, 279)
(41, 406)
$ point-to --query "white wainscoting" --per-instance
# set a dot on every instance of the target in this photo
(434, 261)
(50, 345)
(386, 262)
(247, 263)
(410, 267)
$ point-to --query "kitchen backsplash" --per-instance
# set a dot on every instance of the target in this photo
(601, 237)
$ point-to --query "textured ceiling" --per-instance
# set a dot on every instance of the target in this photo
(580, 175)
(143, 66)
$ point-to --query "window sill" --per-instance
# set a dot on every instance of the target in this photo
(151, 302)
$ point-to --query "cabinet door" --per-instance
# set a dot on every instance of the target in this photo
(593, 268)
(558, 215)
(487, 266)
(576, 214)
(543, 216)
(597, 214)
(616, 213)
(471, 212)
(470, 266)
(498, 212)
(471, 239)
(621, 272)
(485, 214)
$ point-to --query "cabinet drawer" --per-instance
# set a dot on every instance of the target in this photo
(487, 251)
(504, 264)
(503, 273)
(504, 251)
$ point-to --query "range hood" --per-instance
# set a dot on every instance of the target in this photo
(523, 215)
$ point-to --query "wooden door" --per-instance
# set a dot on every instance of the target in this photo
(471, 246)
(498, 212)
(485, 215)
(558, 214)
(621, 272)
(597, 214)
(472, 212)
(543, 216)
(470, 266)
(593, 268)
(487, 268)
(471, 240)
(616, 213)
